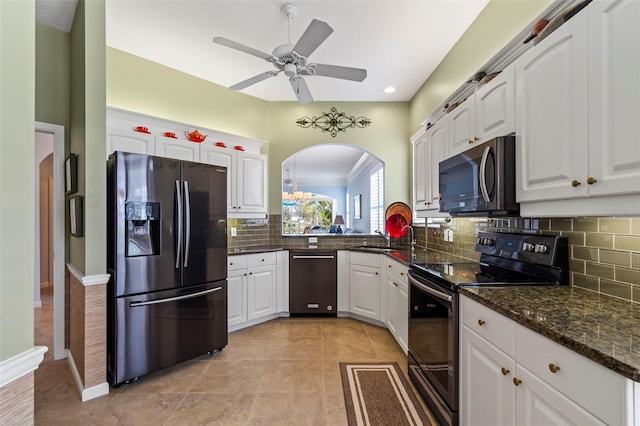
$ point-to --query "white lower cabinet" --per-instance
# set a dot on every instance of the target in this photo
(510, 374)
(236, 297)
(252, 282)
(397, 302)
(365, 285)
(261, 292)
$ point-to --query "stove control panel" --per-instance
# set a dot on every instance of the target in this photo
(530, 248)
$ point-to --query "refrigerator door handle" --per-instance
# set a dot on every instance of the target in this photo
(173, 299)
(179, 204)
(187, 232)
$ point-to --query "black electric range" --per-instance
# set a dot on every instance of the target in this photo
(506, 259)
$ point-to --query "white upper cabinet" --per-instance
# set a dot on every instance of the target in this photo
(495, 106)
(246, 178)
(129, 141)
(578, 96)
(551, 121)
(251, 184)
(430, 148)
(486, 114)
(463, 126)
(614, 97)
(177, 149)
(246, 167)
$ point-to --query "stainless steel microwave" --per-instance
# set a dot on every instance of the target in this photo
(480, 181)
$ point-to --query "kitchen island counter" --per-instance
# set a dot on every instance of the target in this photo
(598, 327)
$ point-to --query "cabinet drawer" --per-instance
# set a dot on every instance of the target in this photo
(489, 324)
(236, 262)
(365, 259)
(261, 259)
(398, 271)
(592, 386)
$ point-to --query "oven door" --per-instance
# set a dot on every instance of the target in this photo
(433, 345)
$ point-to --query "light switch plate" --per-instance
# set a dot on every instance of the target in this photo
(234, 232)
(313, 240)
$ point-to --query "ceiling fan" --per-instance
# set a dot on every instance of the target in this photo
(292, 59)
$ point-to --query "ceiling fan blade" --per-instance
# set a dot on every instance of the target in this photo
(301, 90)
(253, 80)
(313, 36)
(241, 47)
(345, 73)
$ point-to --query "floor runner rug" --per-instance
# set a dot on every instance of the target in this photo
(377, 393)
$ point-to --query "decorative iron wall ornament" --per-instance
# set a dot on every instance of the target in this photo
(333, 122)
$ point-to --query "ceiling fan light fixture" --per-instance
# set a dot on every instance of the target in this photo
(290, 69)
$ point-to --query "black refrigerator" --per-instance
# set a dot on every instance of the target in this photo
(167, 256)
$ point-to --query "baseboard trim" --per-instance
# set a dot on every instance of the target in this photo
(89, 393)
(87, 280)
(22, 364)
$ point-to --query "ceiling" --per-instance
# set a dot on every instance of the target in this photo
(398, 42)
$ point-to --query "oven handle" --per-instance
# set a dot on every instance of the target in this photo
(431, 291)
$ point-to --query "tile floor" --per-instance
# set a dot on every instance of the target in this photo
(282, 372)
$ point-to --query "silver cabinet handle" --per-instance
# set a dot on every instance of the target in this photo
(314, 257)
(172, 299)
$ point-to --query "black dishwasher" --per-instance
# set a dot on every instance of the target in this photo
(313, 287)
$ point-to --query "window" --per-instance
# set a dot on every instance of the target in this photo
(376, 205)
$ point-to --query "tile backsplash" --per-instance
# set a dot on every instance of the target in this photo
(604, 251)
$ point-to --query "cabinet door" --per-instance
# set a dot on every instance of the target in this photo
(261, 292)
(422, 187)
(364, 282)
(551, 121)
(439, 150)
(540, 404)
(487, 393)
(129, 141)
(463, 126)
(495, 106)
(221, 157)
(237, 297)
(614, 97)
(402, 327)
(392, 304)
(177, 149)
(251, 183)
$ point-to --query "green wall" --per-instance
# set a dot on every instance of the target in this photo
(139, 85)
(498, 23)
(87, 133)
(53, 75)
(17, 204)
(387, 137)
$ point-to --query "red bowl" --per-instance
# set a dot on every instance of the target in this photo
(396, 225)
(238, 148)
(221, 144)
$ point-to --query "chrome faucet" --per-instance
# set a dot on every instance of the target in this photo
(386, 236)
(413, 240)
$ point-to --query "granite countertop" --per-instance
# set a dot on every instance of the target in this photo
(601, 328)
(252, 250)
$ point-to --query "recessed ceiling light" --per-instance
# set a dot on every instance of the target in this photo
(389, 89)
